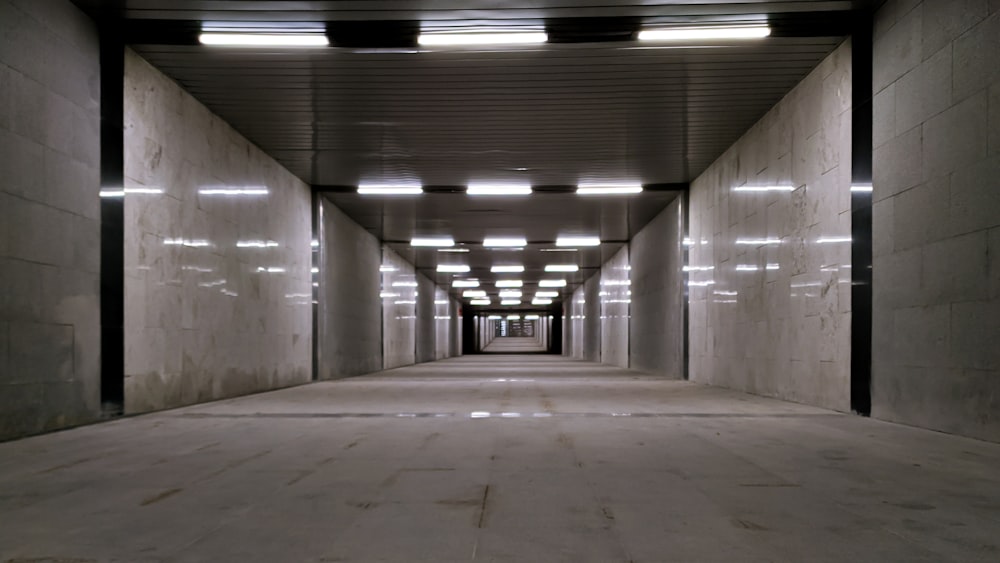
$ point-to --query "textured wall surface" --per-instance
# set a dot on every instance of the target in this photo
(771, 229)
(399, 310)
(656, 329)
(592, 338)
(350, 310)
(578, 317)
(936, 217)
(49, 217)
(217, 255)
(442, 323)
(615, 296)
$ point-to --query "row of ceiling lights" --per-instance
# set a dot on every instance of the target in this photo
(296, 38)
(500, 189)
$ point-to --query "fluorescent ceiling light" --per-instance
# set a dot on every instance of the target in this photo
(479, 302)
(531, 317)
(478, 293)
(578, 241)
(452, 268)
(537, 301)
(453, 250)
(552, 283)
(390, 189)
(484, 37)
(513, 317)
(404, 284)
(562, 268)
(264, 39)
(509, 302)
(559, 249)
(608, 189)
(861, 188)
(465, 283)
(509, 283)
(432, 241)
(507, 269)
(546, 294)
(510, 293)
(494, 317)
(504, 242)
(707, 32)
(490, 189)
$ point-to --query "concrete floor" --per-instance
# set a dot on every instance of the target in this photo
(502, 458)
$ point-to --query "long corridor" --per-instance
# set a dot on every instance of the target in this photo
(499, 458)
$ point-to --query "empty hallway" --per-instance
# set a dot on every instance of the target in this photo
(502, 458)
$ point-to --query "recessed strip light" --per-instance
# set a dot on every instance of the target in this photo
(264, 39)
(479, 302)
(509, 283)
(510, 302)
(559, 249)
(477, 293)
(507, 269)
(504, 242)
(513, 317)
(390, 189)
(453, 250)
(452, 268)
(562, 268)
(578, 241)
(501, 189)
(485, 37)
(552, 283)
(432, 241)
(608, 189)
(707, 32)
(545, 294)
(510, 294)
(531, 317)
(465, 283)
(537, 301)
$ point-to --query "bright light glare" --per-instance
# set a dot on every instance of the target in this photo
(509, 283)
(562, 268)
(476, 293)
(489, 189)
(465, 283)
(481, 38)
(390, 189)
(264, 39)
(507, 269)
(552, 283)
(608, 189)
(513, 317)
(452, 268)
(712, 32)
(578, 241)
(432, 241)
(479, 302)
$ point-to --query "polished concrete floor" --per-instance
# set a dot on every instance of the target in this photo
(499, 458)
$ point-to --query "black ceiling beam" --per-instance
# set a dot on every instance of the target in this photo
(390, 34)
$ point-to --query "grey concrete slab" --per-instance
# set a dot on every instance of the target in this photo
(499, 458)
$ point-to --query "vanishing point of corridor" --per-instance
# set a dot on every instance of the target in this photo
(499, 458)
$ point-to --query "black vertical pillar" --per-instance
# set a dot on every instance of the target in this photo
(556, 333)
(112, 222)
(469, 344)
(861, 220)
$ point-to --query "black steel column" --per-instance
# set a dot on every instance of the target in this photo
(861, 220)
(112, 222)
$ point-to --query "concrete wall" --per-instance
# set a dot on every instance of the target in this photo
(770, 287)
(217, 254)
(656, 327)
(49, 217)
(426, 327)
(442, 323)
(591, 326)
(936, 216)
(350, 310)
(614, 297)
(399, 310)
